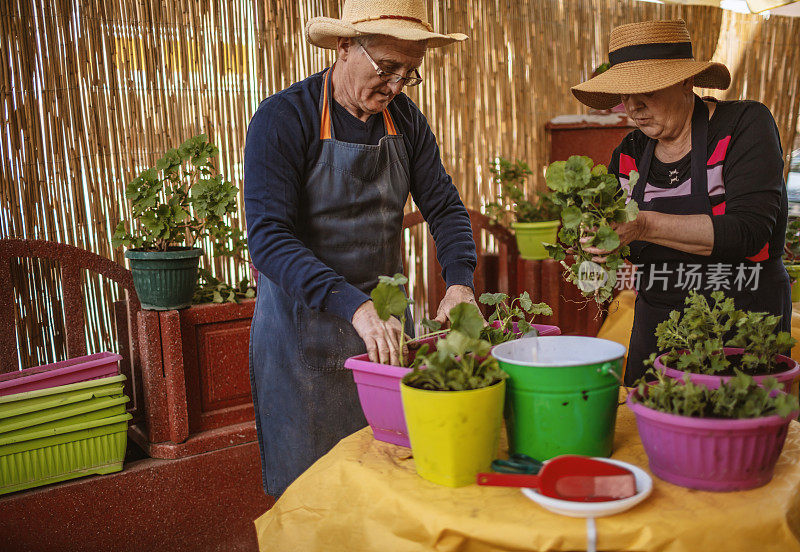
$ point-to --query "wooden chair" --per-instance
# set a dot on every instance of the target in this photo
(495, 272)
(507, 272)
(72, 262)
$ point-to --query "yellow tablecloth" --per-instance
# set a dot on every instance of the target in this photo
(364, 495)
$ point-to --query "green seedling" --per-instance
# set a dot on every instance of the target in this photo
(506, 314)
(740, 397)
(591, 200)
(694, 340)
(461, 360)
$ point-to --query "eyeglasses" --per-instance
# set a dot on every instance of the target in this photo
(393, 78)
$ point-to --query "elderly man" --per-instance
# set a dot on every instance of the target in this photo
(329, 164)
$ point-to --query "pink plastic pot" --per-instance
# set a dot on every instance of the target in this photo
(785, 378)
(74, 370)
(379, 392)
(543, 329)
(711, 454)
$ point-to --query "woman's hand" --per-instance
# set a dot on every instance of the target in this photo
(627, 232)
(632, 231)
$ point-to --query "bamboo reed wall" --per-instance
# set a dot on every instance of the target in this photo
(93, 92)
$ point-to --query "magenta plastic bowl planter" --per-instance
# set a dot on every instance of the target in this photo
(543, 329)
(711, 454)
(74, 370)
(785, 378)
(379, 392)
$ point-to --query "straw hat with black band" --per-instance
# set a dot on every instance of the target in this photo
(403, 19)
(646, 57)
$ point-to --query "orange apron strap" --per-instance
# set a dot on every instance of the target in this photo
(389, 123)
(325, 118)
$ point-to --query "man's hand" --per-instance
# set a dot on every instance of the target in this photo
(453, 296)
(382, 338)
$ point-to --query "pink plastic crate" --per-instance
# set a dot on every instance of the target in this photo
(74, 370)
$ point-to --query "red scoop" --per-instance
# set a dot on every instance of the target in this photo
(576, 478)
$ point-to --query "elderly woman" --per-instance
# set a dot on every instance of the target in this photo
(712, 200)
(329, 164)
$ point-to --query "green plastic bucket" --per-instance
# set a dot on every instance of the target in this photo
(561, 398)
(531, 235)
(794, 275)
(165, 280)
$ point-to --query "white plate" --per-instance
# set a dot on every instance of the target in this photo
(644, 486)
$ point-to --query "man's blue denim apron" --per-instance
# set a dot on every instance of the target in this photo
(350, 216)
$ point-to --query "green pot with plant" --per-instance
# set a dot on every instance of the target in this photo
(453, 403)
(174, 205)
(723, 439)
(791, 256)
(710, 340)
(535, 220)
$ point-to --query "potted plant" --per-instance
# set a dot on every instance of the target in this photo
(591, 200)
(453, 403)
(535, 220)
(710, 340)
(378, 384)
(791, 255)
(723, 439)
(510, 319)
(174, 204)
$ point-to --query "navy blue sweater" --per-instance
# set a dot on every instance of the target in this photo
(282, 145)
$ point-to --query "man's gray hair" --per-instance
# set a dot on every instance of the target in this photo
(366, 40)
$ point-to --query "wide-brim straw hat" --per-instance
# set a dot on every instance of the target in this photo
(646, 57)
(403, 19)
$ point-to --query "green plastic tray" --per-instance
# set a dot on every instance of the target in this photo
(52, 397)
(93, 408)
(57, 451)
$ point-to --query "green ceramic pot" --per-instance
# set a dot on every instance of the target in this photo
(165, 280)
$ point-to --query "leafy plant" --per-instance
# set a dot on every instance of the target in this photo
(740, 397)
(513, 202)
(755, 333)
(179, 201)
(211, 290)
(591, 200)
(390, 300)
(509, 320)
(694, 340)
(791, 248)
(461, 360)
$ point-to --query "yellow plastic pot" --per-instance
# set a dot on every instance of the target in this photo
(454, 434)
